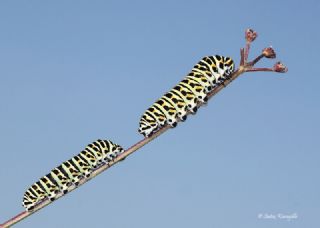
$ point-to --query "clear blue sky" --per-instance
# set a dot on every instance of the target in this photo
(75, 71)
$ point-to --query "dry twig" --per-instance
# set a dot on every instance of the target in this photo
(244, 66)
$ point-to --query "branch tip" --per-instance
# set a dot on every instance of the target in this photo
(280, 67)
(250, 35)
(269, 53)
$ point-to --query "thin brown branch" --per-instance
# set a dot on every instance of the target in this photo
(260, 69)
(242, 58)
(257, 59)
(246, 51)
(244, 67)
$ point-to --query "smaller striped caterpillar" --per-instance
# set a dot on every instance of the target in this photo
(70, 172)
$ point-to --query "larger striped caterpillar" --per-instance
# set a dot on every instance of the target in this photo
(71, 172)
(207, 74)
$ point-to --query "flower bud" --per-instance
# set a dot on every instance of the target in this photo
(280, 67)
(269, 53)
(250, 35)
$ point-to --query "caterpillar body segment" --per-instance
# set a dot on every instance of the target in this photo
(111, 150)
(168, 111)
(196, 89)
(50, 186)
(82, 165)
(62, 179)
(201, 79)
(189, 98)
(90, 157)
(147, 124)
(73, 173)
(39, 190)
(179, 115)
(178, 103)
(159, 116)
(212, 67)
(96, 153)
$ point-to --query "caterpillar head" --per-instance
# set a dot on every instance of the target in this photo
(119, 149)
(228, 66)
